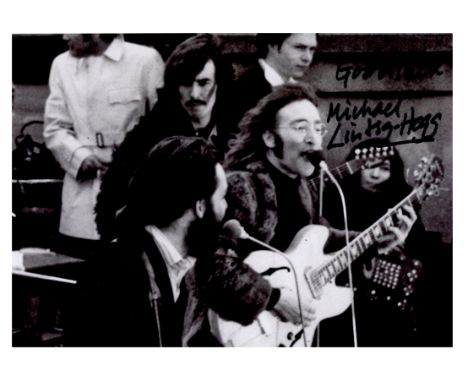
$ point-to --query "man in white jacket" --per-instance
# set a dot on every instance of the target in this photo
(99, 89)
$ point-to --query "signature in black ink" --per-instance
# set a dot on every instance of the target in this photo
(349, 112)
(410, 128)
(391, 71)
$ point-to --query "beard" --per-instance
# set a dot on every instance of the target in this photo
(202, 235)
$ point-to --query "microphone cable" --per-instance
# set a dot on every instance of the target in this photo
(324, 169)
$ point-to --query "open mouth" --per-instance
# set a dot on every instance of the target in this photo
(314, 157)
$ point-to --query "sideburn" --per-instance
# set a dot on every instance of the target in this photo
(202, 235)
(279, 146)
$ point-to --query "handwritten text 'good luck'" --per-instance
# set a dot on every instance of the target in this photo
(346, 73)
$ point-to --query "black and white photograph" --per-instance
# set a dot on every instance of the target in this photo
(233, 190)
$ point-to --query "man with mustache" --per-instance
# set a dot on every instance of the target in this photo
(188, 105)
(268, 165)
(273, 149)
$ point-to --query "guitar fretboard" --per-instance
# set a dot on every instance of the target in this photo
(340, 172)
(338, 262)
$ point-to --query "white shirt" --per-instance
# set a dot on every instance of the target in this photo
(93, 102)
(272, 76)
(177, 265)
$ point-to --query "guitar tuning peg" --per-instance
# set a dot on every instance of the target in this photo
(357, 152)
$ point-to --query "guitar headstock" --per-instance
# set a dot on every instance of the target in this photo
(374, 153)
(429, 175)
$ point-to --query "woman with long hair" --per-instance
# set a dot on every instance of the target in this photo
(384, 296)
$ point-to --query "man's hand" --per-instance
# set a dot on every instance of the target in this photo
(287, 309)
(90, 167)
(398, 235)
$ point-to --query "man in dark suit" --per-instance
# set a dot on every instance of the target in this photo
(282, 58)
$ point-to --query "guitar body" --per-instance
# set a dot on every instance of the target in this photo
(307, 272)
(304, 253)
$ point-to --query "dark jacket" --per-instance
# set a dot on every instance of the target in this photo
(226, 284)
(230, 287)
(246, 91)
(165, 119)
(118, 308)
(380, 319)
(252, 201)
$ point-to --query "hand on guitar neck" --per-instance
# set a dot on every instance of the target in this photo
(287, 308)
(397, 235)
(305, 271)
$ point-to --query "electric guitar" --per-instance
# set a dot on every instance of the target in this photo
(394, 276)
(305, 270)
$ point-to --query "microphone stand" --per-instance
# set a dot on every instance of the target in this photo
(324, 168)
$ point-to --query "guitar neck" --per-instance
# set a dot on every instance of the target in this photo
(340, 260)
(340, 172)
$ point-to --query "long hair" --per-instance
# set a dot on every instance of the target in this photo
(189, 58)
(396, 185)
(177, 172)
(248, 146)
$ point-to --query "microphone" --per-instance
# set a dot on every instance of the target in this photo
(315, 157)
(235, 230)
(323, 165)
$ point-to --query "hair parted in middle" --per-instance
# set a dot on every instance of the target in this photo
(397, 180)
(248, 146)
(189, 58)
